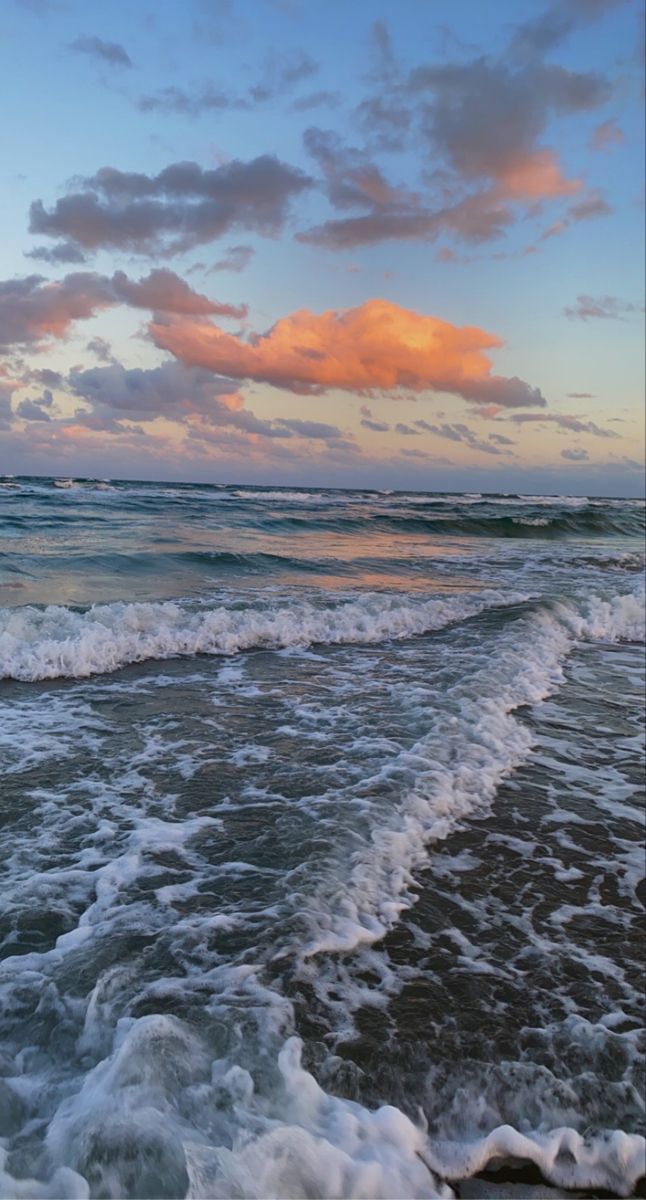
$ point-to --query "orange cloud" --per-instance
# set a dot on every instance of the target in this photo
(377, 346)
(537, 176)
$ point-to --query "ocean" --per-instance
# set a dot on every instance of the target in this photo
(322, 842)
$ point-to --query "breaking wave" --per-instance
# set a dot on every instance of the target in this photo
(61, 642)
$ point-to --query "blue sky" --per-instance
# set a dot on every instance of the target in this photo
(388, 246)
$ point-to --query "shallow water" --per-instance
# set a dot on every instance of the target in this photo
(323, 841)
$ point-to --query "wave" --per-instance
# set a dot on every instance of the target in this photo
(474, 744)
(55, 642)
(582, 522)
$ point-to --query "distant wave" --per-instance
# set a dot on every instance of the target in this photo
(589, 521)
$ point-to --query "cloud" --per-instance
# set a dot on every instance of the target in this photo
(375, 347)
(461, 433)
(375, 426)
(580, 395)
(310, 429)
(6, 411)
(576, 454)
(236, 258)
(164, 290)
(44, 375)
(431, 460)
(32, 308)
(190, 396)
(480, 121)
(501, 440)
(181, 207)
(172, 99)
(281, 73)
(591, 205)
(556, 23)
(606, 135)
(322, 99)
(64, 252)
(384, 48)
(607, 308)
(169, 390)
(111, 53)
(181, 394)
(36, 410)
(352, 180)
(406, 430)
(565, 421)
(101, 348)
(485, 118)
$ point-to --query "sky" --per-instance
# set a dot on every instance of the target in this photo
(359, 245)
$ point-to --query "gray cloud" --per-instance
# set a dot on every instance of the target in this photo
(101, 348)
(182, 394)
(36, 409)
(607, 308)
(111, 53)
(375, 426)
(564, 421)
(236, 258)
(459, 432)
(406, 430)
(64, 252)
(6, 411)
(33, 309)
(576, 454)
(310, 429)
(556, 23)
(485, 116)
(172, 99)
(321, 99)
(44, 375)
(181, 207)
(509, 393)
(281, 73)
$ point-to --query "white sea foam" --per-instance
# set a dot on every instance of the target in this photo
(475, 743)
(611, 619)
(298, 1141)
(288, 497)
(56, 641)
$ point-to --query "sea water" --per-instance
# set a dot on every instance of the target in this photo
(322, 842)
